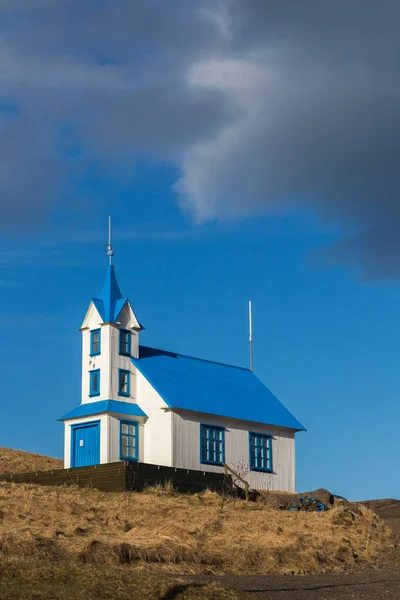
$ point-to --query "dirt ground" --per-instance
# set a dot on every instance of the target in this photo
(373, 585)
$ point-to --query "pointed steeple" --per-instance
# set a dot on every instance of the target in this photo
(110, 302)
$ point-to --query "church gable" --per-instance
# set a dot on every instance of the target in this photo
(127, 318)
(92, 318)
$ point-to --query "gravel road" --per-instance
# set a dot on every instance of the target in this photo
(376, 585)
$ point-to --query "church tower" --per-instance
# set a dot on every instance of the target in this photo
(110, 339)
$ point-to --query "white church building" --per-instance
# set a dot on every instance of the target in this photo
(158, 407)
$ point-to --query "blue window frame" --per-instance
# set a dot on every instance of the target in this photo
(212, 444)
(125, 342)
(94, 383)
(260, 450)
(124, 383)
(95, 342)
(129, 440)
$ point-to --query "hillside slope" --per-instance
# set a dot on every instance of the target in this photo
(387, 509)
(16, 461)
(179, 533)
(163, 530)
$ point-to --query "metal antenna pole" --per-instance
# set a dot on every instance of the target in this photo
(108, 249)
(109, 238)
(251, 335)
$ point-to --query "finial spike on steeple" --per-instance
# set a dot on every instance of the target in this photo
(109, 249)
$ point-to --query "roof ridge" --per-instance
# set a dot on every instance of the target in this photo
(194, 384)
(214, 362)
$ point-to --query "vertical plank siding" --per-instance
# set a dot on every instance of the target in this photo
(186, 449)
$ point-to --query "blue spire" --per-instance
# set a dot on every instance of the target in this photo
(110, 301)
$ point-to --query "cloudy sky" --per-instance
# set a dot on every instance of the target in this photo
(224, 133)
(262, 107)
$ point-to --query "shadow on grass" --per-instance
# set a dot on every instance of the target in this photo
(180, 589)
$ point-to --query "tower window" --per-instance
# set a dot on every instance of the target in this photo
(212, 444)
(125, 342)
(260, 446)
(129, 440)
(95, 338)
(94, 382)
(124, 382)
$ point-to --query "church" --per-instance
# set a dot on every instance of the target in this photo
(162, 408)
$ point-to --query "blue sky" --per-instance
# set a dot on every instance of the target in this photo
(325, 343)
(244, 151)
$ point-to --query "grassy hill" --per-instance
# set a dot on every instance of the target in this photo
(81, 531)
(176, 533)
(179, 533)
(16, 461)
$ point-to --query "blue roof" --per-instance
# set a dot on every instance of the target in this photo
(96, 408)
(203, 386)
(111, 301)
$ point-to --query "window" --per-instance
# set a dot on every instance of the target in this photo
(260, 446)
(129, 440)
(95, 342)
(125, 342)
(94, 385)
(212, 449)
(124, 383)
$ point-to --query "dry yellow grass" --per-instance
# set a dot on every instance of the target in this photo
(64, 580)
(204, 533)
(16, 461)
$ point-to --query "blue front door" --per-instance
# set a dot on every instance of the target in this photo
(85, 444)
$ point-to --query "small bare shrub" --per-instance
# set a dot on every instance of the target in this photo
(164, 488)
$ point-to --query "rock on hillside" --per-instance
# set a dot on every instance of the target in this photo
(16, 461)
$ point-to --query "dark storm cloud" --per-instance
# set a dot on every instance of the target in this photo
(320, 124)
(263, 105)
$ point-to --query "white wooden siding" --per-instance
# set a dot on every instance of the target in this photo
(119, 362)
(109, 361)
(186, 448)
(158, 427)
